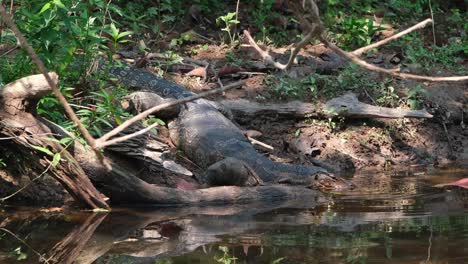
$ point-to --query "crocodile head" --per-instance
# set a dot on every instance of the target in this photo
(328, 182)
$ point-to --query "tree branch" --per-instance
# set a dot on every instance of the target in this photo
(422, 24)
(392, 72)
(104, 140)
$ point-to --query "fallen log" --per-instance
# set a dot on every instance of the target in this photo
(123, 184)
(123, 187)
(346, 106)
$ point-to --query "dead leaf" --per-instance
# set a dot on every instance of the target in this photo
(183, 68)
(198, 72)
(229, 70)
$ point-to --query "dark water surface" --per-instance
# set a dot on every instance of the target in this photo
(392, 218)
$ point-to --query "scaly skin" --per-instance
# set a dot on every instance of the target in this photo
(207, 136)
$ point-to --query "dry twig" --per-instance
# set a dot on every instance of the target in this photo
(421, 24)
(317, 30)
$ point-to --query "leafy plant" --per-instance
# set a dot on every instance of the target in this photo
(432, 57)
(262, 16)
(388, 97)
(416, 96)
(355, 32)
(229, 20)
(50, 108)
(153, 120)
(20, 255)
(170, 11)
(117, 37)
(284, 86)
(234, 60)
(106, 107)
(225, 258)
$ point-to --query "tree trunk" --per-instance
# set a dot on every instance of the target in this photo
(17, 122)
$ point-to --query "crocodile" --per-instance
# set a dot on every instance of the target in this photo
(214, 143)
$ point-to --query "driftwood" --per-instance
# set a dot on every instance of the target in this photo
(346, 106)
(18, 122)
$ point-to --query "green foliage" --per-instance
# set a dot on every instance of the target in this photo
(352, 78)
(63, 32)
(416, 97)
(58, 30)
(284, 87)
(433, 57)
(260, 18)
(137, 15)
(116, 36)
(209, 6)
(458, 18)
(265, 20)
(388, 96)
(354, 31)
(234, 60)
(163, 261)
(20, 255)
(409, 9)
(50, 108)
(228, 21)
(153, 120)
(2, 164)
(170, 11)
(225, 258)
(104, 110)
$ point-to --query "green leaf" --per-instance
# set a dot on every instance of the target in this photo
(45, 8)
(65, 140)
(277, 261)
(123, 34)
(297, 133)
(114, 31)
(59, 4)
(56, 159)
(42, 149)
(52, 139)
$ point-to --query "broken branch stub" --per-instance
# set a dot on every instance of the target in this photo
(31, 87)
(349, 106)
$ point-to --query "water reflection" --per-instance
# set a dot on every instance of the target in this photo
(393, 218)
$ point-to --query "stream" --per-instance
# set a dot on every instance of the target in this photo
(393, 217)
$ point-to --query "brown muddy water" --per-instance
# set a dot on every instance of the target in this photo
(394, 217)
